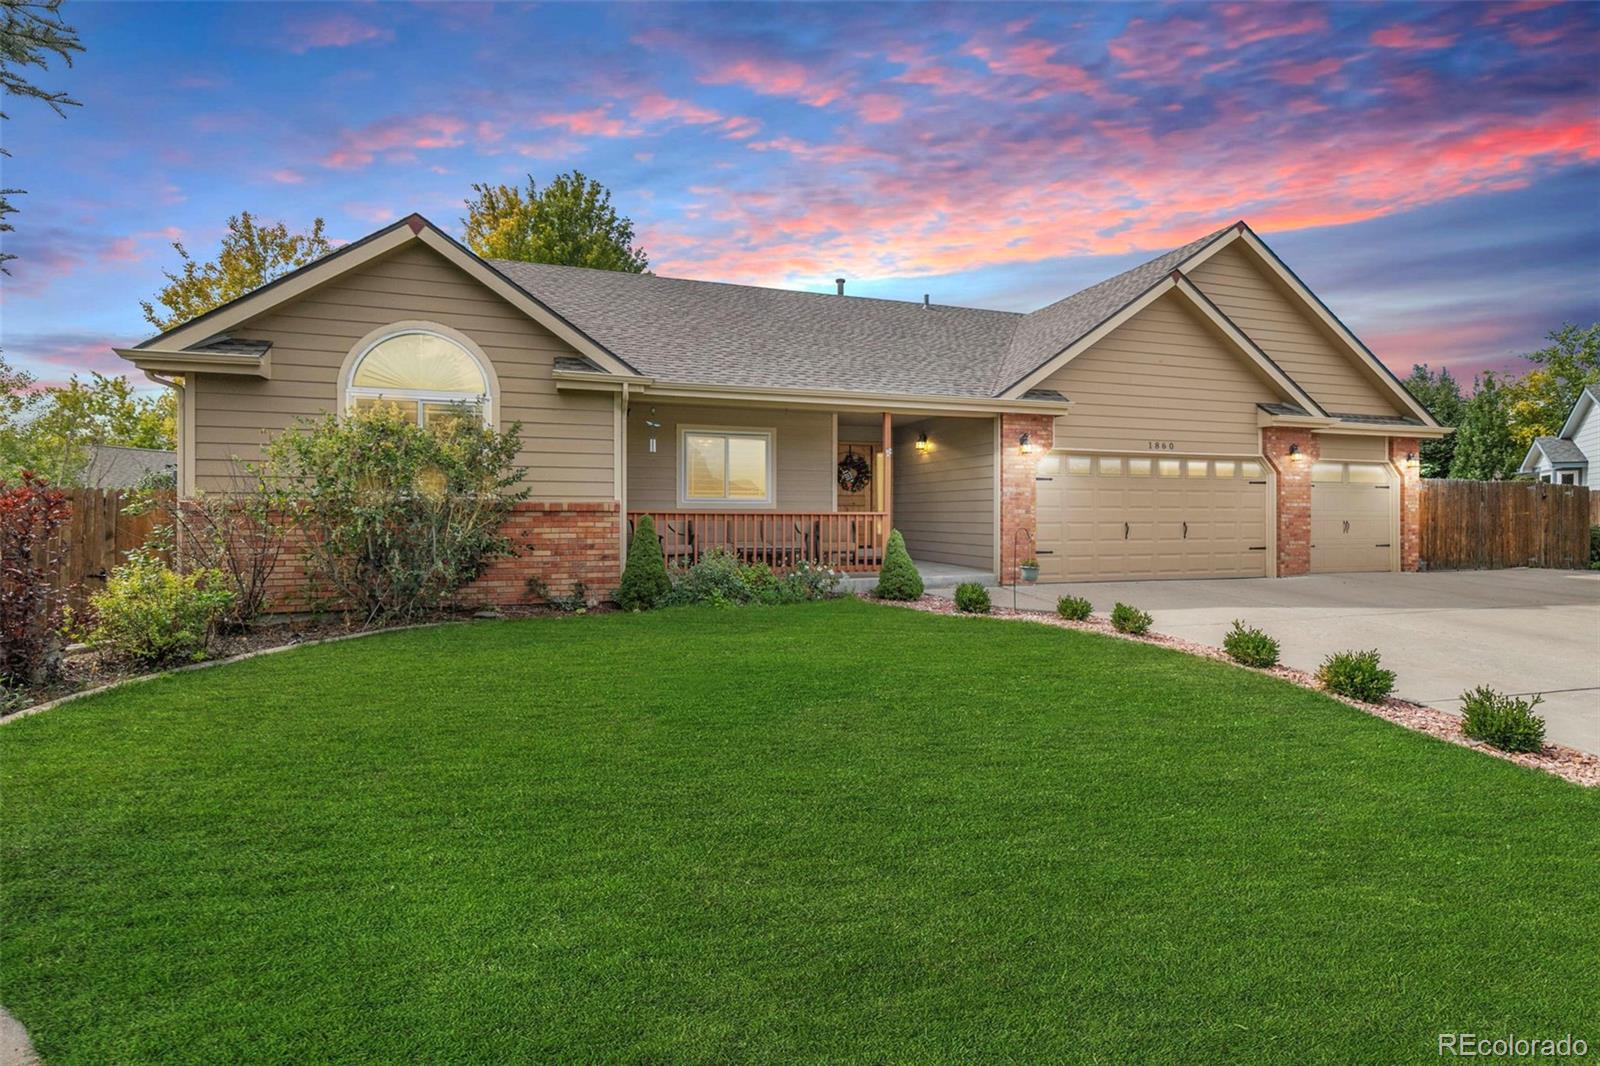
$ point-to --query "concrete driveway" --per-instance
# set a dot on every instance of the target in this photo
(1520, 631)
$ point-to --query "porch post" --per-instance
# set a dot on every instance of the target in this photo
(888, 473)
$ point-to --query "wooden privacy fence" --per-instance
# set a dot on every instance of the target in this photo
(99, 536)
(1489, 525)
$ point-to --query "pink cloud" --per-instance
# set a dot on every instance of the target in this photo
(591, 122)
(1036, 60)
(1307, 73)
(336, 30)
(880, 107)
(378, 214)
(397, 139)
(287, 176)
(1406, 37)
(776, 78)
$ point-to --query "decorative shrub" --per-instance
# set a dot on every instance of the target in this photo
(898, 579)
(31, 605)
(644, 578)
(719, 578)
(240, 532)
(972, 598)
(151, 614)
(1358, 675)
(1125, 619)
(1250, 646)
(1505, 722)
(397, 518)
(1074, 608)
(1594, 546)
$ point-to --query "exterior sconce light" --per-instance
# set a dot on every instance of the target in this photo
(1411, 458)
(1294, 451)
(1026, 445)
(922, 441)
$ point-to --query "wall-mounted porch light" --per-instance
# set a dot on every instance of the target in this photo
(1294, 451)
(922, 441)
(1411, 458)
(1025, 444)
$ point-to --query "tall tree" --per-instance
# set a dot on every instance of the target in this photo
(59, 427)
(251, 255)
(570, 223)
(1440, 393)
(16, 399)
(30, 33)
(1485, 448)
(1541, 399)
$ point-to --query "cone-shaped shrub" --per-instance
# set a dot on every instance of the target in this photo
(644, 579)
(898, 580)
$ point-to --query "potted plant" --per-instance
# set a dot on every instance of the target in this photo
(1030, 570)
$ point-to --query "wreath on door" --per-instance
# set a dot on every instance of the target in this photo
(855, 473)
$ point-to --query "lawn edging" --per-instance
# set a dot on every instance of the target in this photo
(256, 653)
(1570, 764)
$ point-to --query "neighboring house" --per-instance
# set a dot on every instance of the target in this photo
(1203, 414)
(1564, 458)
(113, 467)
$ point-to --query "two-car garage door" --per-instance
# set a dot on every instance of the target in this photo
(1110, 517)
(1122, 517)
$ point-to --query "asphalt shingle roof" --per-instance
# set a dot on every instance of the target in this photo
(707, 332)
(1560, 450)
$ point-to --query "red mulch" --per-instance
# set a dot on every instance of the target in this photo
(1576, 766)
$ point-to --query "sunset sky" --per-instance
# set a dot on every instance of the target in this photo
(1432, 171)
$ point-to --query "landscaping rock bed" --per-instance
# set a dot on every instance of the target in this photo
(1576, 766)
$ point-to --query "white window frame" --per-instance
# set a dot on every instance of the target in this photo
(1567, 477)
(486, 403)
(764, 433)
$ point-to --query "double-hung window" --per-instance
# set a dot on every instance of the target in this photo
(725, 468)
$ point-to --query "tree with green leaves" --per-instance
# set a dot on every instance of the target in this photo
(569, 223)
(251, 255)
(56, 433)
(17, 398)
(1541, 399)
(30, 33)
(1440, 393)
(1485, 448)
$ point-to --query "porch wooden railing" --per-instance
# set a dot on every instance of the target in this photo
(850, 541)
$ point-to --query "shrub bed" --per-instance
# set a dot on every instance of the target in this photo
(720, 579)
(972, 598)
(1250, 646)
(1074, 608)
(1357, 674)
(1505, 722)
(1131, 620)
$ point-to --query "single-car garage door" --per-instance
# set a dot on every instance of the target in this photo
(1352, 517)
(1111, 517)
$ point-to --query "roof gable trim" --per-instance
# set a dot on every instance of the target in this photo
(1320, 312)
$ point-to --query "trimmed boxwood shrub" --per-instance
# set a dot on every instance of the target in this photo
(898, 580)
(1357, 674)
(1126, 619)
(972, 598)
(644, 578)
(1074, 608)
(1505, 722)
(1250, 646)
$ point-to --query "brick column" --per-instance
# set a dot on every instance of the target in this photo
(1018, 489)
(1293, 516)
(1410, 498)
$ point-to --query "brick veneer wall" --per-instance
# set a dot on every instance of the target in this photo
(1018, 487)
(1293, 518)
(558, 543)
(1410, 499)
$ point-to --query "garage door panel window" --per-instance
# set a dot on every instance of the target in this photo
(1327, 472)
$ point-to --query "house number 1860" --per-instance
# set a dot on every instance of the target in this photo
(1163, 445)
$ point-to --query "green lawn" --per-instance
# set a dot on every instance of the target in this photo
(822, 832)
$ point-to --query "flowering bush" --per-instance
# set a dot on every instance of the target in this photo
(31, 604)
(719, 578)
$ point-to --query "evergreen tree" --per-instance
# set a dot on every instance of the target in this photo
(644, 580)
(1485, 448)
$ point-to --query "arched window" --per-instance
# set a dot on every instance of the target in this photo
(423, 374)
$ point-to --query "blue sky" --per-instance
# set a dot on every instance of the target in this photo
(1433, 171)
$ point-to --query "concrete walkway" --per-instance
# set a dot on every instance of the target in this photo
(15, 1047)
(1519, 631)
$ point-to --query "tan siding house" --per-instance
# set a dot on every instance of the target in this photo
(1171, 421)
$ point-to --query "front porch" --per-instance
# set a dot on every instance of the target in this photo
(783, 485)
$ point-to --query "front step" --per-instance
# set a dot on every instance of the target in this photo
(934, 576)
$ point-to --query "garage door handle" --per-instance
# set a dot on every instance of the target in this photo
(1186, 531)
(1124, 531)
(1347, 525)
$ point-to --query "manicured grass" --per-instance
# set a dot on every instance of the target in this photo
(835, 831)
